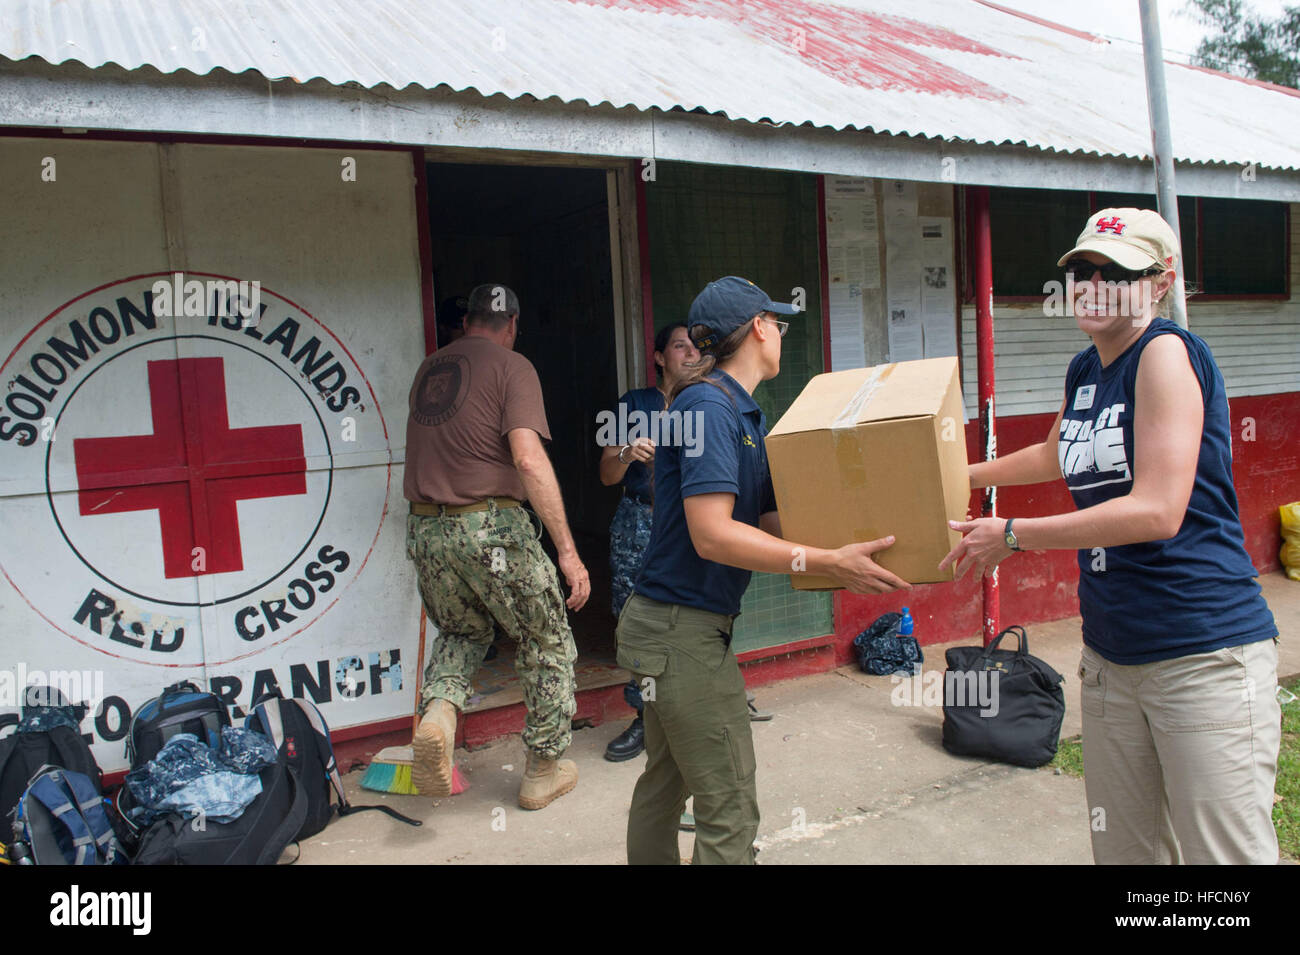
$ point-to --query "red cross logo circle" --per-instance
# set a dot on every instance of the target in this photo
(171, 479)
(189, 473)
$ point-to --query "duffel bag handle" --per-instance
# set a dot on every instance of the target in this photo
(1023, 637)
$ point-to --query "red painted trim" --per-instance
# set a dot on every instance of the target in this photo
(1240, 79)
(643, 257)
(429, 303)
(394, 725)
(958, 256)
(968, 243)
(824, 271)
(766, 653)
(987, 383)
(149, 136)
(1090, 37)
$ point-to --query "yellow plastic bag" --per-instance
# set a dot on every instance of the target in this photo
(1290, 552)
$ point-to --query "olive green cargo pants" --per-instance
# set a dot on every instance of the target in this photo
(697, 735)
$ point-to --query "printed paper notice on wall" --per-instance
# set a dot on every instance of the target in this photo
(938, 305)
(852, 262)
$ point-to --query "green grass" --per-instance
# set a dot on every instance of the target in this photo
(1286, 808)
(1069, 757)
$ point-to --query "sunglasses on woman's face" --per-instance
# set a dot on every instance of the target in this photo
(1082, 271)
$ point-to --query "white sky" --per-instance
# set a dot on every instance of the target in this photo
(1118, 19)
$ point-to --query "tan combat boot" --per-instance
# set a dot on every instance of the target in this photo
(546, 780)
(434, 742)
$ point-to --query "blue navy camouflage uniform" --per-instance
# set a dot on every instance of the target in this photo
(629, 531)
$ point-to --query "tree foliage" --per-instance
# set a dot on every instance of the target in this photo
(1247, 44)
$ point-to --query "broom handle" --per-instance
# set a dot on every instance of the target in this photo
(419, 675)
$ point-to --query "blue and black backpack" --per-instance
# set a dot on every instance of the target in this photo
(302, 738)
(181, 708)
(61, 819)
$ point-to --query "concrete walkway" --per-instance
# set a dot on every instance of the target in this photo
(844, 776)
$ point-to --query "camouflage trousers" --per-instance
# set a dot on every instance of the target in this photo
(629, 536)
(487, 566)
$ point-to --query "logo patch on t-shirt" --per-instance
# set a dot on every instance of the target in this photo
(442, 390)
(1092, 452)
(1083, 397)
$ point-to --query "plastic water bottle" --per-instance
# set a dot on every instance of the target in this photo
(905, 625)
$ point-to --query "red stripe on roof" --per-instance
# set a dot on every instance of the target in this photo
(1240, 79)
(872, 50)
(1081, 34)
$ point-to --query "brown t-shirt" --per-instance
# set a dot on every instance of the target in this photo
(465, 399)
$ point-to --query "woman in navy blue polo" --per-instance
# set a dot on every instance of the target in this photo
(1181, 724)
(715, 521)
(632, 465)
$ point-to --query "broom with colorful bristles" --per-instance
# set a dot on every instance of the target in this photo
(390, 770)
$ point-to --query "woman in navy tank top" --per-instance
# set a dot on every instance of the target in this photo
(1181, 724)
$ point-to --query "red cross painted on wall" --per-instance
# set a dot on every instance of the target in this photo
(193, 468)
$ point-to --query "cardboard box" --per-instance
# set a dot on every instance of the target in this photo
(870, 452)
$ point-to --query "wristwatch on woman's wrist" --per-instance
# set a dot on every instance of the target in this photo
(1009, 535)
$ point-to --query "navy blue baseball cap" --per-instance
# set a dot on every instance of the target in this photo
(726, 304)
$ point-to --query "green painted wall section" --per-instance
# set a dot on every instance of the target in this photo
(709, 221)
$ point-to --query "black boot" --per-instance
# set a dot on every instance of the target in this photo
(628, 744)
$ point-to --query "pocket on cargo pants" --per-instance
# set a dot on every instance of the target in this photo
(1092, 685)
(639, 650)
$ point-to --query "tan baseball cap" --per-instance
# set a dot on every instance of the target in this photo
(1137, 239)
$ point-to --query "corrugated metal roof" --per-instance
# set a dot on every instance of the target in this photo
(950, 69)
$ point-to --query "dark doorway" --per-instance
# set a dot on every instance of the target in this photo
(544, 232)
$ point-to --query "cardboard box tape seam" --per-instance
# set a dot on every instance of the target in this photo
(848, 417)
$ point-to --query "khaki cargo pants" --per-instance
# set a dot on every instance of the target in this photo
(697, 735)
(483, 566)
(1179, 757)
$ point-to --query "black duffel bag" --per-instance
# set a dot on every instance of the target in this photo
(262, 831)
(1002, 704)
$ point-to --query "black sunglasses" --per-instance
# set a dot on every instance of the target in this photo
(1083, 270)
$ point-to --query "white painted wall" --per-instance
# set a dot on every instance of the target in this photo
(336, 260)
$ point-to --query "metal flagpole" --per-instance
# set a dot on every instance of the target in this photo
(1162, 143)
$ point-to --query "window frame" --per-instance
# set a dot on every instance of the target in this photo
(968, 282)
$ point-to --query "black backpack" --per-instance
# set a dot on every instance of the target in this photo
(23, 754)
(302, 737)
(261, 833)
(181, 708)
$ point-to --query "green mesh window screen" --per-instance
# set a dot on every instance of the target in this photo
(709, 221)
